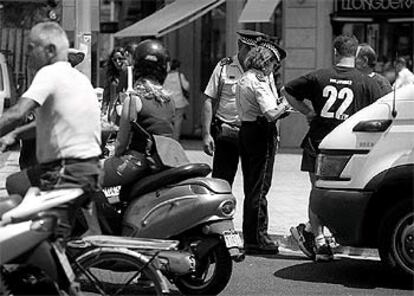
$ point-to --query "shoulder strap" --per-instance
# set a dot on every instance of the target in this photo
(225, 61)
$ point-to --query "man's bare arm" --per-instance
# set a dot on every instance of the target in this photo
(206, 116)
(206, 119)
(301, 106)
(27, 131)
(14, 116)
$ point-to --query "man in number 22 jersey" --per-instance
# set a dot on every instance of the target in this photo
(335, 93)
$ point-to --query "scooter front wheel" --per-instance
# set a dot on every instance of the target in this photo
(213, 272)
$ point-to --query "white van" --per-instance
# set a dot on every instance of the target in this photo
(7, 87)
(365, 173)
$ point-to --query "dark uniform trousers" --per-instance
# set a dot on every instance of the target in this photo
(258, 143)
(226, 158)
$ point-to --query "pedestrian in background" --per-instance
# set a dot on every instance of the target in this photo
(178, 86)
(220, 118)
(365, 61)
(115, 82)
(335, 93)
(404, 76)
(259, 107)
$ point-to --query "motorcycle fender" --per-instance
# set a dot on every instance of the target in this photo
(213, 228)
(204, 245)
(219, 227)
(225, 228)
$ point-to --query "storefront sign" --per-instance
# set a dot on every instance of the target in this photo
(401, 8)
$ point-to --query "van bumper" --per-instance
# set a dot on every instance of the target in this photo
(343, 212)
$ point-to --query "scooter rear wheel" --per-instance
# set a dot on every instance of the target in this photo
(213, 272)
(116, 273)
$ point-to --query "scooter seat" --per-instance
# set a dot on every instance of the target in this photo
(9, 202)
(163, 178)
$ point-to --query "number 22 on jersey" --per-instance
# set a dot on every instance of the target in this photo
(345, 94)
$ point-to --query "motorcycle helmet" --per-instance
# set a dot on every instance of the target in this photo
(151, 59)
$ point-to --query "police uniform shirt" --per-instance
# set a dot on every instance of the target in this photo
(231, 73)
(256, 94)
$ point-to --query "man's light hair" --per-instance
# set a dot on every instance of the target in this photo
(51, 33)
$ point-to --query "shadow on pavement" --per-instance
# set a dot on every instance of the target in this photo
(354, 273)
(281, 256)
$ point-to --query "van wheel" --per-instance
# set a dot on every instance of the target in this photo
(396, 238)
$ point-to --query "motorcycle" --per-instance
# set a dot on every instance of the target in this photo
(178, 201)
(33, 259)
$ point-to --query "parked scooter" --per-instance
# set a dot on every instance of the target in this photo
(32, 257)
(180, 203)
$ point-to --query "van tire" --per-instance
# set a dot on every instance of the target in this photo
(396, 238)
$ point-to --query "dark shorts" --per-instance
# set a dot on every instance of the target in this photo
(69, 173)
(309, 154)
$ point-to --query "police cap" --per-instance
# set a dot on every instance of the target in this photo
(272, 44)
(251, 37)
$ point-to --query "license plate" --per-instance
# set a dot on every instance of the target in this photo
(112, 194)
(112, 191)
(232, 239)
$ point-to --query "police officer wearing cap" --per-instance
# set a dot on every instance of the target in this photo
(259, 107)
(220, 109)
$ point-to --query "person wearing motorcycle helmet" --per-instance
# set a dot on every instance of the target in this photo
(149, 106)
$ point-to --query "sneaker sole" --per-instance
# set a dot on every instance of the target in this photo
(297, 237)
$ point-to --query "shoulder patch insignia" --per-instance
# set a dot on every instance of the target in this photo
(226, 61)
(260, 77)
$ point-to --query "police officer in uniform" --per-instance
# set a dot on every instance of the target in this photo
(220, 107)
(259, 107)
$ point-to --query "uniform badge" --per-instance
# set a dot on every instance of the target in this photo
(226, 61)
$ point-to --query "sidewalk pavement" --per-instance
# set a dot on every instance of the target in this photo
(288, 197)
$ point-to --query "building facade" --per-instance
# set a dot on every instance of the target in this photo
(201, 32)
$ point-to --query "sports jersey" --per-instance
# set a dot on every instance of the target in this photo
(384, 84)
(335, 93)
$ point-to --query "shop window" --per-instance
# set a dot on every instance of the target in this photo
(213, 41)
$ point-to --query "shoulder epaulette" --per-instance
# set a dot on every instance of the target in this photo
(260, 77)
(226, 61)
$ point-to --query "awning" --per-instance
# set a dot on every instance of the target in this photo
(350, 19)
(169, 18)
(258, 11)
